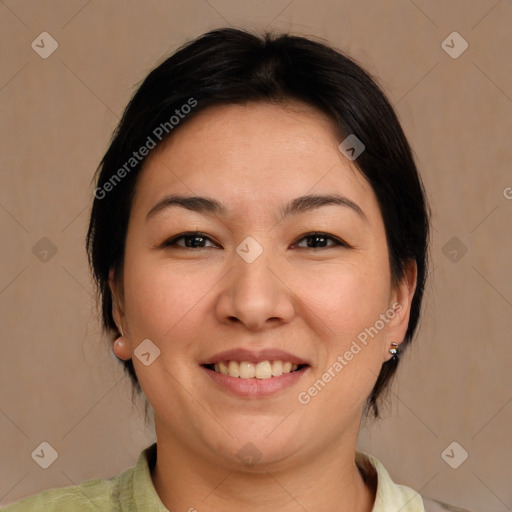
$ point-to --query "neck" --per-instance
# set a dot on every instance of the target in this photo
(329, 481)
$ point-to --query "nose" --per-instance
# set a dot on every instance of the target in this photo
(255, 294)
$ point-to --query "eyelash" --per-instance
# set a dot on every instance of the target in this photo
(198, 234)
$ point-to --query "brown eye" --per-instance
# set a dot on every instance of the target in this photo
(320, 240)
(194, 240)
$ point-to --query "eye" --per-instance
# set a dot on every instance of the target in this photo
(193, 240)
(197, 240)
(319, 241)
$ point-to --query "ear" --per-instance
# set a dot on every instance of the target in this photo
(401, 300)
(117, 302)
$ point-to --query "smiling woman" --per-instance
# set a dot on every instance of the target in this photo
(259, 269)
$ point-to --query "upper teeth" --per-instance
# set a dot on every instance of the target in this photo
(261, 370)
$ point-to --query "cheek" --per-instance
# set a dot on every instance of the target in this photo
(347, 301)
(163, 304)
(158, 296)
(347, 297)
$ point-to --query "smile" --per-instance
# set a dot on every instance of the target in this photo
(254, 381)
(248, 370)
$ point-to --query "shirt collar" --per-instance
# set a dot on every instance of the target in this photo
(144, 492)
(389, 496)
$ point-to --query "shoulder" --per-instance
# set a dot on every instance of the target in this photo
(88, 496)
(129, 491)
(91, 495)
(392, 496)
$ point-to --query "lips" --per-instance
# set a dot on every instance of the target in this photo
(254, 357)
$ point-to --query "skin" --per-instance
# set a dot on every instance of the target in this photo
(194, 302)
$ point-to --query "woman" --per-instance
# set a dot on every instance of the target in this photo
(259, 239)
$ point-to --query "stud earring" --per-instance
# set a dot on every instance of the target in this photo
(395, 350)
(120, 344)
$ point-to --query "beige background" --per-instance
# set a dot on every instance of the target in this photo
(58, 382)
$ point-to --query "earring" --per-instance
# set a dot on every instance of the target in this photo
(395, 350)
(119, 342)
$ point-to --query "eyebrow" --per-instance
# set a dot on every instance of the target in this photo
(209, 206)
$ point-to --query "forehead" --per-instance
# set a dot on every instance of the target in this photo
(250, 155)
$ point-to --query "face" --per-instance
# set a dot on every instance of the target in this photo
(254, 274)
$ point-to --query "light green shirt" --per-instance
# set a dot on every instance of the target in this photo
(133, 491)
